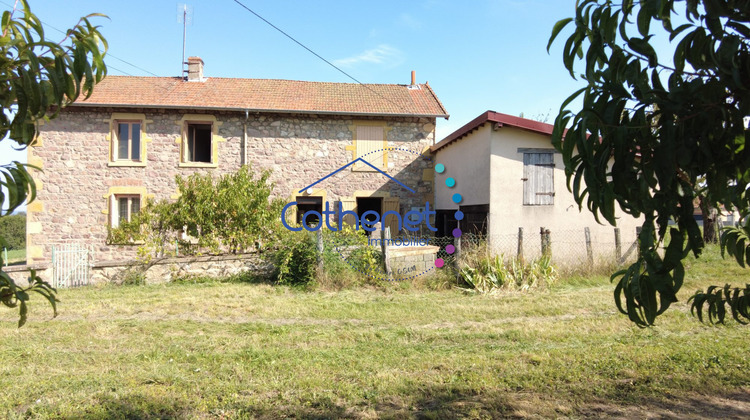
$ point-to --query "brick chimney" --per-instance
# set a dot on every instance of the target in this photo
(413, 84)
(195, 69)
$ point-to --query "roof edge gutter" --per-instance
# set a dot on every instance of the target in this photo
(243, 110)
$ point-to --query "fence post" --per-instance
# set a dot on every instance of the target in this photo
(545, 238)
(386, 237)
(319, 246)
(519, 254)
(618, 246)
(5, 256)
(589, 250)
(54, 268)
(457, 255)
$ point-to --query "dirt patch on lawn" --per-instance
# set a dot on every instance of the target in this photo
(688, 406)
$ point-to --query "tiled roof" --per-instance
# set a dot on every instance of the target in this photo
(258, 95)
(501, 120)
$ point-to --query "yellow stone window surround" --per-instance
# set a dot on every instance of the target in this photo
(112, 138)
(215, 140)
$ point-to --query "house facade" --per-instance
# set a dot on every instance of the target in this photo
(510, 177)
(102, 157)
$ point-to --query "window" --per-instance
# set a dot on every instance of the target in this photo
(305, 204)
(198, 147)
(124, 207)
(538, 178)
(199, 141)
(370, 145)
(127, 141)
(370, 204)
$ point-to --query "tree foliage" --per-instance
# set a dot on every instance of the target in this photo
(664, 123)
(38, 77)
(13, 231)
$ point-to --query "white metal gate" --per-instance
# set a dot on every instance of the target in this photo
(70, 265)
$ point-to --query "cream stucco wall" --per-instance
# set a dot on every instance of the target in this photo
(491, 158)
(468, 162)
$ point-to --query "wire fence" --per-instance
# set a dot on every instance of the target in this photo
(467, 239)
(582, 249)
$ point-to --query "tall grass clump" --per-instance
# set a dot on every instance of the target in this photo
(487, 273)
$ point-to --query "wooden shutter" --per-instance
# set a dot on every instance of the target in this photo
(538, 173)
(391, 204)
(349, 204)
(184, 142)
(113, 221)
(370, 146)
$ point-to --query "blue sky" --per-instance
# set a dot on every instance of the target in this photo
(477, 55)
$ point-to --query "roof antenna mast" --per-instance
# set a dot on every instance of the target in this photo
(184, 16)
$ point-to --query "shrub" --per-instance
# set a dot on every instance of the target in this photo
(233, 213)
(295, 258)
(347, 260)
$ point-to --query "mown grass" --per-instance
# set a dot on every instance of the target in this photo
(257, 351)
(16, 256)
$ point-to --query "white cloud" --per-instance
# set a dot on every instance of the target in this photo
(382, 55)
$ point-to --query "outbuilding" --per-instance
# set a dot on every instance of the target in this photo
(509, 176)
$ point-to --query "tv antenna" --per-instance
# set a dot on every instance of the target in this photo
(184, 16)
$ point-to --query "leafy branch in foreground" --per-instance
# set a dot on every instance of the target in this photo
(650, 133)
(735, 241)
(716, 298)
(12, 296)
(38, 77)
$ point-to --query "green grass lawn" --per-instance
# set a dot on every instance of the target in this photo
(257, 351)
(16, 256)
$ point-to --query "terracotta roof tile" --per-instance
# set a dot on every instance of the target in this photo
(501, 120)
(266, 95)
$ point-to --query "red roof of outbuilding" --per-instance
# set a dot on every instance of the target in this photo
(266, 95)
(498, 118)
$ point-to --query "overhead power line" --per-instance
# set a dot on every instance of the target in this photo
(297, 42)
(319, 56)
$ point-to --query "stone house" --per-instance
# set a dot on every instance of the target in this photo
(103, 156)
(510, 177)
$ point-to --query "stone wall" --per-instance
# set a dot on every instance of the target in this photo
(409, 262)
(168, 269)
(158, 271)
(20, 273)
(74, 154)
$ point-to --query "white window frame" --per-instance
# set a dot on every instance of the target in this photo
(114, 206)
(116, 141)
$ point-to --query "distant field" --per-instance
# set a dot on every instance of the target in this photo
(258, 351)
(16, 256)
